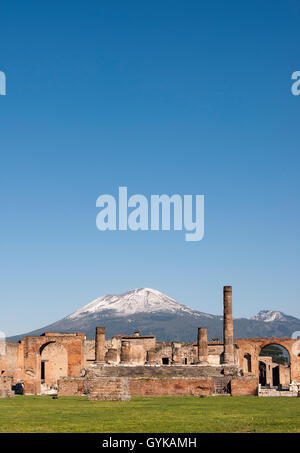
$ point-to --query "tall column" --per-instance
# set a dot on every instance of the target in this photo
(125, 351)
(202, 345)
(100, 344)
(228, 326)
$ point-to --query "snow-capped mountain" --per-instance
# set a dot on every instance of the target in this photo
(153, 312)
(269, 316)
(145, 309)
(140, 300)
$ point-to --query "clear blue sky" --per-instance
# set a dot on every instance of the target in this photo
(162, 97)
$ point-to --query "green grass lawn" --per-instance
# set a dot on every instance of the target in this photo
(161, 414)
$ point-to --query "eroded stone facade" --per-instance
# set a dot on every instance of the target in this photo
(6, 387)
(73, 365)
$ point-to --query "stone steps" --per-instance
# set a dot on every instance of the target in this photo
(222, 385)
(154, 371)
(275, 392)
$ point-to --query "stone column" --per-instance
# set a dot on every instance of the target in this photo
(151, 357)
(176, 353)
(100, 344)
(125, 351)
(111, 356)
(228, 326)
(202, 345)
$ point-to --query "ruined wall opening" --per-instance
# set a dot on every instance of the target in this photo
(278, 353)
(43, 371)
(262, 373)
(247, 363)
(53, 365)
(274, 366)
(165, 360)
(275, 376)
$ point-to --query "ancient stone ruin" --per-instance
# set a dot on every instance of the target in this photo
(6, 387)
(138, 365)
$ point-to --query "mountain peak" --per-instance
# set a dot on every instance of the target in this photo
(154, 313)
(269, 316)
(139, 300)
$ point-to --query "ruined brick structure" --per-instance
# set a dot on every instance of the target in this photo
(6, 387)
(251, 363)
(137, 364)
(38, 362)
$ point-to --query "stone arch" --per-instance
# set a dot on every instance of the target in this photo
(279, 345)
(45, 345)
(283, 343)
(53, 363)
(277, 369)
(254, 346)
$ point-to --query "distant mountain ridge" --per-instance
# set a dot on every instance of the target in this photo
(153, 312)
(270, 316)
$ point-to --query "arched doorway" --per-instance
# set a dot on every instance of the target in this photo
(274, 366)
(247, 366)
(54, 365)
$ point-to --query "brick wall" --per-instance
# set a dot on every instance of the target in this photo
(244, 386)
(108, 389)
(171, 387)
(70, 386)
(122, 388)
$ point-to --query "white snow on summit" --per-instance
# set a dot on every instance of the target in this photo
(141, 300)
(269, 316)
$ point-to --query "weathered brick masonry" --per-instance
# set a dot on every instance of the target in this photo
(6, 387)
(139, 365)
(123, 388)
(243, 386)
(171, 387)
(71, 386)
